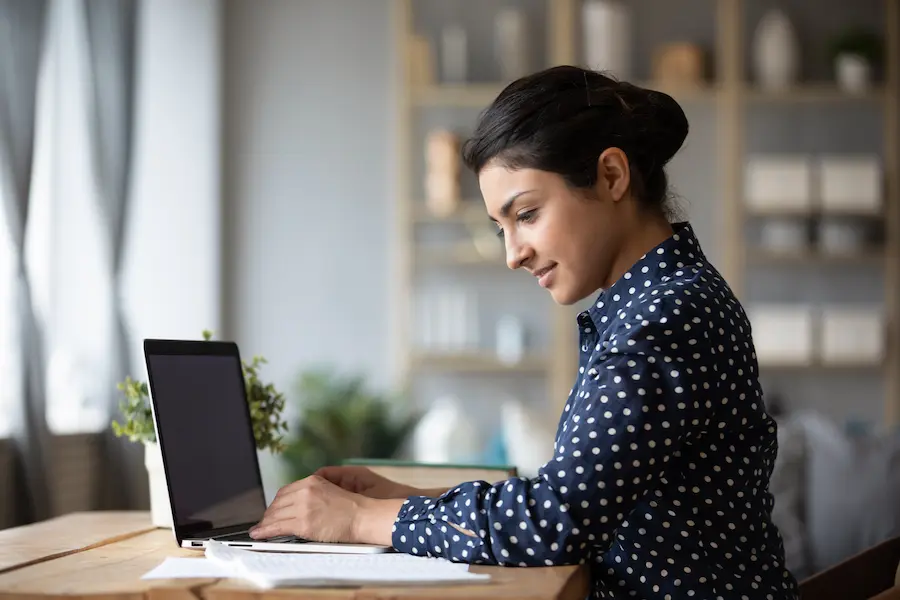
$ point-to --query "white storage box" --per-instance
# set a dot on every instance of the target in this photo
(783, 334)
(850, 183)
(779, 182)
(854, 335)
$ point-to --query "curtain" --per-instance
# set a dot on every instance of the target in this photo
(110, 32)
(21, 37)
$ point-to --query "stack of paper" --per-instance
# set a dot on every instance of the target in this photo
(302, 569)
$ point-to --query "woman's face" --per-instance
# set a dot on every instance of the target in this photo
(567, 238)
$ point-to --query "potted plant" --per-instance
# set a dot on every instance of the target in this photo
(340, 419)
(854, 55)
(266, 407)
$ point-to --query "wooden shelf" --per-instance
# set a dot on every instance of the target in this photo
(813, 212)
(480, 95)
(730, 100)
(813, 93)
(775, 257)
(476, 362)
(469, 211)
(464, 95)
(842, 367)
(684, 93)
(464, 254)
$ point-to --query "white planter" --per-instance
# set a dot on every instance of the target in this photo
(160, 509)
(853, 73)
(776, 51)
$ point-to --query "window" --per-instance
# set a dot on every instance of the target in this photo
(64, 248)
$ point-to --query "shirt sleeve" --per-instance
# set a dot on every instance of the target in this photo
(636, 404)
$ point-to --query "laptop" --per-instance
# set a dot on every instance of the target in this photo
(203, 427)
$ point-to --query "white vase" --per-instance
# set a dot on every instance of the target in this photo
(528, 436)
(510, 339)
(853, 72)
(511, 43)
(445, 434)
(607, 36)
(454, 54)
(160, 508)
(776, 59)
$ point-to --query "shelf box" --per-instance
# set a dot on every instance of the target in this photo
(783, 334)
(779, 183)
(852, 335)
(850, 183)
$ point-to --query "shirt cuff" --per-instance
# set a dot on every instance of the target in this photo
(418, 531)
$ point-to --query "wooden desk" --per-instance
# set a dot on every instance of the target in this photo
(103, 556)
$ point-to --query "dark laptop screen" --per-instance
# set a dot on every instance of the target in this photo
(207, 441)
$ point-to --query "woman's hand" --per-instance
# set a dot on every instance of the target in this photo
(318, 510)
(361, 480)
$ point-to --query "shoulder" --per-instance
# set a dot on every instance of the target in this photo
(685, 322)
(693, 298)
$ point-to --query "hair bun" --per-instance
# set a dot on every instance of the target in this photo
(666, 125)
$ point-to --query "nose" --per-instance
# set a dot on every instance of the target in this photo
(517, 254)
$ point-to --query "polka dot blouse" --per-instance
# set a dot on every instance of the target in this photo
(659, 473)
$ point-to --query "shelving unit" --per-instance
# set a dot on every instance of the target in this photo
(550, 361)
(726, 99)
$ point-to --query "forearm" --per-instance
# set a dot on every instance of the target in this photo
(374, 521)
(430, 493)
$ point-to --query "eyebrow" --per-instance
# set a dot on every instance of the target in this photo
(504, 210)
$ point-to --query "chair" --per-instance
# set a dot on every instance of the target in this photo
(869, 575)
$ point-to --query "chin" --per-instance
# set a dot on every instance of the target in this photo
(564, 297)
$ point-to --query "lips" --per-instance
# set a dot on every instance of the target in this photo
(545, 275)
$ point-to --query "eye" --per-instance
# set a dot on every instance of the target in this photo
(527, 216)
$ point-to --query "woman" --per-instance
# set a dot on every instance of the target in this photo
(659, 474)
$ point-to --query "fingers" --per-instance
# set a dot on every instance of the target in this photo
(312, 480)
(336, 475)
(272, 528)
(277, 513)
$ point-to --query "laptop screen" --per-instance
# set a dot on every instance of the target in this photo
(207, 440)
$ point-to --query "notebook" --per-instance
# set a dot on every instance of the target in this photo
(273, 570)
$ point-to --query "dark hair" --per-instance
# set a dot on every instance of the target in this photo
(561, 120)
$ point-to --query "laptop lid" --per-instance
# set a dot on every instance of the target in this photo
(205, 434)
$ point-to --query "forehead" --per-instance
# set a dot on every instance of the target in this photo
(499, 183)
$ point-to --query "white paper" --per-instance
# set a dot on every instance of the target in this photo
(289, 569)
(181, 568)
(270, 569)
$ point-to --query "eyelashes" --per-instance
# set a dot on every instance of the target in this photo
(528, 216)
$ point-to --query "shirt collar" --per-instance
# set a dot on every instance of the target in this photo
(680, 249)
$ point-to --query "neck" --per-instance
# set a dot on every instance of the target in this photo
(643, 240)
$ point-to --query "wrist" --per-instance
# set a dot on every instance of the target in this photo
(374, 520)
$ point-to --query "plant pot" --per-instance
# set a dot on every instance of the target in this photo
(160, 508)
(853, 72)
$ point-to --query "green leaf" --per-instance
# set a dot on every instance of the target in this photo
(266, 408)
(341, 419)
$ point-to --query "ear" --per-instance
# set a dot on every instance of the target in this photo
(613, 173)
